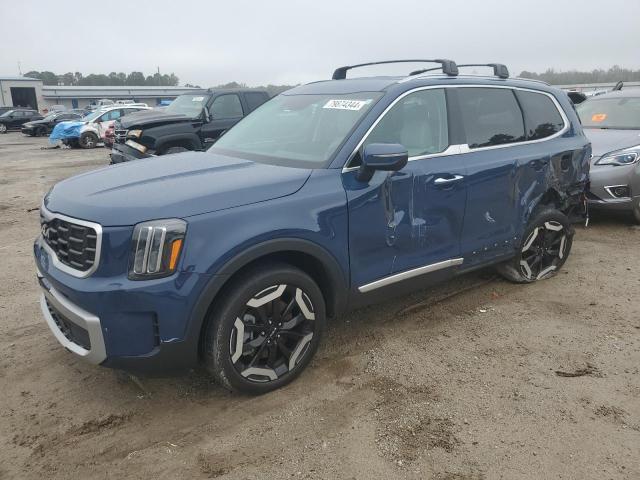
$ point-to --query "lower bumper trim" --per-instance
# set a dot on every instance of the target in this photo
(97, 352)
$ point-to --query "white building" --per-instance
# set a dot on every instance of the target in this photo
(21, 92)
(30, 92)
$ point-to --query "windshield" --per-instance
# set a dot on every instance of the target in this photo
(50, 117)
(189, 105)
(617, 113)
(297, 130)
(7, 113)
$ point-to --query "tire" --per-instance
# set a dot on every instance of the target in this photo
(636, 212)
(3, 128)
(88, 140)
(273, 353)
(171, 150)
(546, 246)
(41, 132)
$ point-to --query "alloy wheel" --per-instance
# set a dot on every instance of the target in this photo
(272, 334)
(3, 128)
(543, 251)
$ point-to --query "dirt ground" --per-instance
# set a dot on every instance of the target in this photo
(474, 379)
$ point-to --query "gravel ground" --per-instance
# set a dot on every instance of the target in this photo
(474, 379)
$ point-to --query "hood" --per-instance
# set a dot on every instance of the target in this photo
(604, 140)
(150, 117)
(171, 186)
(35, 122)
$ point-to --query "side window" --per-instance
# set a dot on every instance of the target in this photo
(255, 99)
(417, 121)
(111, 115)
(491, 116)
(541, 115)
(226, 106)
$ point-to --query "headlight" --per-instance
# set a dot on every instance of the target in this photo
(155, 248)
(136, 145)
(134, 133)
(621, 157)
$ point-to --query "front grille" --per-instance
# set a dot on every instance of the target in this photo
(74, 333)
(73, 244)
(120, 135)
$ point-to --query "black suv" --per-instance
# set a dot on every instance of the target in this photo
(13, 119)
(192, 122)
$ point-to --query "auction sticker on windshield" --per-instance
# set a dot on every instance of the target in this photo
(339, 104)
(197, 99)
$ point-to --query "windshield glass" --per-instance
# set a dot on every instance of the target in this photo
(617, 113)
(189, 105)
(297, 130)
(50, 117)
(7, 113)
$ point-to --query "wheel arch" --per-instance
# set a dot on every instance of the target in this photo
(308, 256)
(189, 141)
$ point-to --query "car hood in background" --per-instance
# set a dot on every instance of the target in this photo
(151, 117)
(171, 186)
(609, 140)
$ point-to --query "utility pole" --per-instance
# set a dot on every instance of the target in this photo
(19, 68)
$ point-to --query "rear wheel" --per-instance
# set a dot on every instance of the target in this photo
(265, 330)
(3, 128)
(546, 246)
(88, 140)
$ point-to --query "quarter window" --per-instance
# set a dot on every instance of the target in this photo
(417, 121)
(541, 115)
(226, 106)
(491, 116)
(255, 99)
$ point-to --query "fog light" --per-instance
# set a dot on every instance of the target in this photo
(619, 191)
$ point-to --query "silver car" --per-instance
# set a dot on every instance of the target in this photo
(612, 123)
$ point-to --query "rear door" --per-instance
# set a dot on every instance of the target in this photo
(224, 112)
(492, 122)
(253, 100)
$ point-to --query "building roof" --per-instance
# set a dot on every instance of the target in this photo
(18, 79)
(55, 91)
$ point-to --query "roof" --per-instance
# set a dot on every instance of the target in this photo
(55, 91)
(18, 79)
(379, 84)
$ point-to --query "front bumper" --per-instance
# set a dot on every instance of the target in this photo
(602, 180)
(139, 326)
(123, 153)
(76, 329)
(27, 130)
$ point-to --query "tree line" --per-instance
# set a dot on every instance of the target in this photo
(599, 75)
(134, 79)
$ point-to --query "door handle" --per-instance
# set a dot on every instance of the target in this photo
(446, 180)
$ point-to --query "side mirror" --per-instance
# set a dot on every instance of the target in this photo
(389, 157)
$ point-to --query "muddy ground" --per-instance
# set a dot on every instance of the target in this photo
(475, 379)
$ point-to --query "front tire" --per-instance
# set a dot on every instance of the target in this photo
(266, 329)
(546, 246)
(88, 140)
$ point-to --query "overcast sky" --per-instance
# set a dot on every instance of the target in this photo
(289, 42)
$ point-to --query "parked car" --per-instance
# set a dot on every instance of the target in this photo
(331, 196)
(612, 123)
(91, 129)
(5, 109)
(14, 119)
(191, 122)
(38, 128)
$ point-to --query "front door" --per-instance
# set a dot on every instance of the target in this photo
(411, 219)
(224, 112)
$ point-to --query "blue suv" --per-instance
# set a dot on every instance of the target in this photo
(332, 195)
